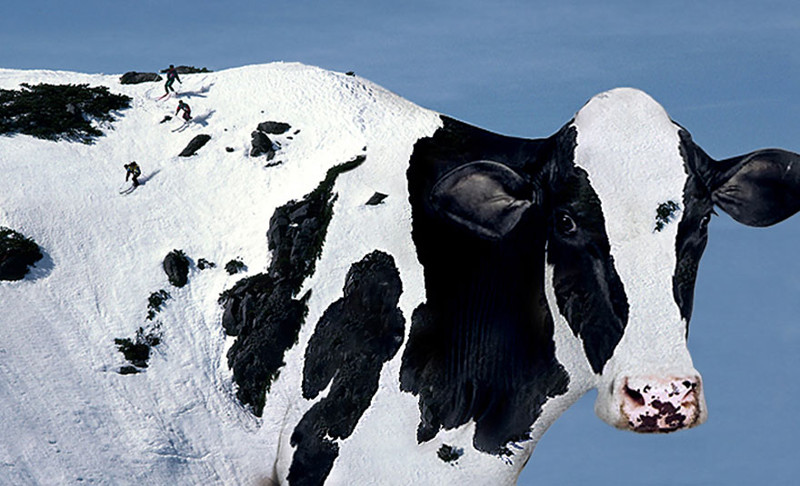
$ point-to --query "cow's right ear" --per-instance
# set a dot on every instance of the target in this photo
(486, 197)
(759, 189)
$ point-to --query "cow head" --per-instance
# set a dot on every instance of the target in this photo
(616, 205)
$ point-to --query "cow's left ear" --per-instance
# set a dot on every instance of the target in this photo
(487, 197)
(760, 188)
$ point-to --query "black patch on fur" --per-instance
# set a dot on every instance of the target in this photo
(692, 229)
(263, 311)
(355, 336)
(481, 348)
(664, 213)
(589, 292)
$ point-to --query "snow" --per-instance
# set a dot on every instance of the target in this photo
(72, 416)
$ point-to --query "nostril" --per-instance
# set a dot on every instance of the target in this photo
(691, 389)
(634, 395)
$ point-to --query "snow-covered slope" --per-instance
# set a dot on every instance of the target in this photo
(67, 415)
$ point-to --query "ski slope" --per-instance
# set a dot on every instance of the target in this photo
(72, 416)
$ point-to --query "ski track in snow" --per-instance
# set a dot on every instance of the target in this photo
(70, 413)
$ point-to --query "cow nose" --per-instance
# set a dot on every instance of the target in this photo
(660, 404)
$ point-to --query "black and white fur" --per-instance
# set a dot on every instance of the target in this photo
(543, 268)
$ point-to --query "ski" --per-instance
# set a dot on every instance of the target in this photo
(182, 127)
(126, 188)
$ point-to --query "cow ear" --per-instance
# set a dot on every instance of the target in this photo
(484, 196)
(761, 188)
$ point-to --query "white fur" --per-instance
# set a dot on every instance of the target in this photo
(629, 147)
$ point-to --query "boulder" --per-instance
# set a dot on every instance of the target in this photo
(273, 127)
(194, 145)
(376, 199)
(176, 266)
(17, 253)
(132, 77)
(261, 145)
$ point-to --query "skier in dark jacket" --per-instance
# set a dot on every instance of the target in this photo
(172, 76)
(187, 112)
(133, 169)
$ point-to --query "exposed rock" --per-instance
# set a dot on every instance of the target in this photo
(189, 70)
(234, 266)
(137, 350)
(376, 199)
(448, 453)
(128, 370)
(273, 127)
(155, 301)
(202, 264)
(166, 119)
(264, 311)
(71, 112)
(195, 145)
(262, 145)
(17, 253)
(176, 266)
(133, 77)
(229, 149)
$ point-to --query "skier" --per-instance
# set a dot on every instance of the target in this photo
(172, 76)
(187, 112)
(133, 169)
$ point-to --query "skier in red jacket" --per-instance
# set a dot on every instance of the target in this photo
(187, 112)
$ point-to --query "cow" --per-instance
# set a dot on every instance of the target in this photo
(550, 267)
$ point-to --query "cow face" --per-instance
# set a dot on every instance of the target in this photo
(624, 289)
(615, 206)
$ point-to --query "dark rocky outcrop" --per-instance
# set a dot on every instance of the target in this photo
(273, 127)
(376, 199)
(448, 453)
(133, 77)
(155, 302)
(176, 266)
(263, 311)
(261, 145)
(189, 70)
(202, 264)
(137, 349)
(234, 266)
(195, 144)
(17, 253)
(59, 111)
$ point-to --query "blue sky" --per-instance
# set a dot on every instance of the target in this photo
(726, 70)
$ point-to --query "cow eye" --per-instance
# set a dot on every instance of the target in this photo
(565, 225)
